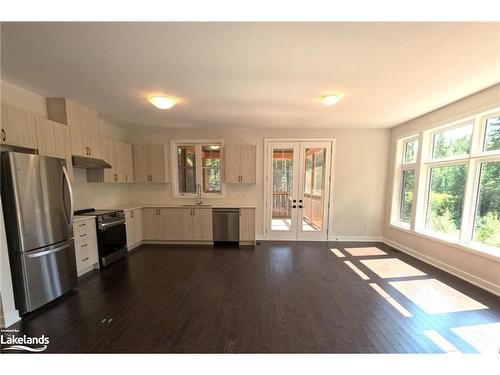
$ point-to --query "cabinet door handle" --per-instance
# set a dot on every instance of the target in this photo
(4, 135)
(83, 260)
(126, 178)
(131, 213)
(83, 235)
(84, 245)
(90, 151)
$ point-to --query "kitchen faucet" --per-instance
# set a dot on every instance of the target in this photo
(198, 195)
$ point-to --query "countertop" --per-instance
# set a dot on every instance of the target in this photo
(78, 218)
(129, 207)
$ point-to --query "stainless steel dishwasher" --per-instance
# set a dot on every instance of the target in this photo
(226, 225)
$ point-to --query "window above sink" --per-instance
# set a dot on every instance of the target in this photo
(197, 162)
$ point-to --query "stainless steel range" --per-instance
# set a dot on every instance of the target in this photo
(111, 234)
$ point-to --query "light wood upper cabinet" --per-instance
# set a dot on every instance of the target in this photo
(18, 128)
(53, 140)
(119, 155)
(83, 125)
(202, 224)
(247, 224)
(126, 163)
(150, 164)
(240, 164)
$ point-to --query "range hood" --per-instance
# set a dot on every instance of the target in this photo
(89, 163)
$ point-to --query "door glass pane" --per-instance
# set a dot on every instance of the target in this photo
(492, 135)
(314, 187)
(282, 189)
(186, 164)
(406, 196)
(444, 211)
(452, 143)
(487, 226)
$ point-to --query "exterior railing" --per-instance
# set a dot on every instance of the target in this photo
(282, 206)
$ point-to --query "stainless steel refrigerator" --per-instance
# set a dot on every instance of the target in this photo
(38, 214)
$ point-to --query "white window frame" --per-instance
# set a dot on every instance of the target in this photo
(401, 166)
(198, 143)
(423, 165)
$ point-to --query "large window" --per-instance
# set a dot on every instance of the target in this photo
(198, 164)
(446, 198)
(449, 187)
(487, 218)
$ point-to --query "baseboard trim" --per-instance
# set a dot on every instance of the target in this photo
(477, 281)
(356, 238)
(134, 246)
(162, 242)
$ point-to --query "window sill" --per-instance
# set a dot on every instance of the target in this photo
(473, 248)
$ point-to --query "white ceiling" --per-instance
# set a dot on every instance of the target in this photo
(254, 75)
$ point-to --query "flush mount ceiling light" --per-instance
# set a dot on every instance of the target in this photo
(330, 99)
(162, 102)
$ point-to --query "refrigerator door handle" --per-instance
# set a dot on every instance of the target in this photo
(47, 252)
(70, 216)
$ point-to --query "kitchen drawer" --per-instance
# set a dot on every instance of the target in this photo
(85, 237)
(84, 227)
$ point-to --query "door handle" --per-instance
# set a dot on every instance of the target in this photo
(51, 251)
(70, 216)
(4, 135)
(294, 206)
(300, 206)
(294, 201)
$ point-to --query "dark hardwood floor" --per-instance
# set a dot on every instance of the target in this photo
(279, 297)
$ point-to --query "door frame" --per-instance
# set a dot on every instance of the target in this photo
(266, 175)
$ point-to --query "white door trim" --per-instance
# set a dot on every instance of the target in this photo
(266, 175)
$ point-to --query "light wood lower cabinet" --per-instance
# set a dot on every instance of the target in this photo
(202, 224)
(177, 224)
(134, 226)
(153, 224)
(85, 237)
(247, 224)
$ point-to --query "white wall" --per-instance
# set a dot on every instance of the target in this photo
(359, 185)
(480, 270)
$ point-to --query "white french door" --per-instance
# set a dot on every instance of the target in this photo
(298, 190)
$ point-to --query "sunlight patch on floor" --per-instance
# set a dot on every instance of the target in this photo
(357, 270)
(364, 251)
(484, 337)
(391, 300)
(338, 253)
(441, 342)
(389, 268)
(435, 297)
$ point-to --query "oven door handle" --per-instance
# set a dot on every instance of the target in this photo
(104, 226)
